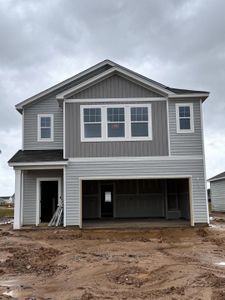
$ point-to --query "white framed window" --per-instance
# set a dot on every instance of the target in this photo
(45, 127)
(184, 117)
(115, 122)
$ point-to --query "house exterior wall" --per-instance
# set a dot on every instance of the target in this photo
(30, 134)
(218, 195)
(158, 146)
(115, 87)
(185, 143)
(106, 169)
(30, 192)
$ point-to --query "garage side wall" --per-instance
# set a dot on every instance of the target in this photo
(218, 195)
(100, 169)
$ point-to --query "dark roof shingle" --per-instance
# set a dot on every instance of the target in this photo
(25, 156)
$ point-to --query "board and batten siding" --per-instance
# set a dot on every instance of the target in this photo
(185, 143)
(30, 194)
(149, 167)
(218, 195)
(115, 87)
(45, 106)
(158, 146)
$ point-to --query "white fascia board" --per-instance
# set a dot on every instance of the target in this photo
(193, 95)
(52, 163)
(108, 72)
(136, 158)
(20, 105)
(110, 100)
(216, 179)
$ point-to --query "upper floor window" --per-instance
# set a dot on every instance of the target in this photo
(92, 122)
(116, 122)
(184, 118)
(45, 128)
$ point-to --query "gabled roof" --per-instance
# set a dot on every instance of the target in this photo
(104, 68)
(217, 177)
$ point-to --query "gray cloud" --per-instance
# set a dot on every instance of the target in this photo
(178, 43)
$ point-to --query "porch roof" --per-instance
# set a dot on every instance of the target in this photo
(37, 156)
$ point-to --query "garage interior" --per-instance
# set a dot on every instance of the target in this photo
(111, 201)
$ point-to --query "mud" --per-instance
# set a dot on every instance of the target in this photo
(175, 263)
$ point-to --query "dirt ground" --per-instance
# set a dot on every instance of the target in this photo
(172, 263)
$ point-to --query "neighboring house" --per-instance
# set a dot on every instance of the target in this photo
(6, 200)
(217, 187)
(111, 143)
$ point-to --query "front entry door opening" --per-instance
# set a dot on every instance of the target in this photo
(48, 199)
(107, 201)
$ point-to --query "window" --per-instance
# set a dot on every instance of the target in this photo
(139, 121)
(185, 121)
(123, 122)
(45, 128)
(116, 122)
(92, 122)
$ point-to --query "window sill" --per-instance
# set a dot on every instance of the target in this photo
(116, 140)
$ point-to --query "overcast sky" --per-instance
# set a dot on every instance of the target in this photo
(178, 43)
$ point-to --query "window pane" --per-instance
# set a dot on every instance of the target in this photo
(139, 129)
(115, 114)
(184, 111)
(92, 115)
(185, 124)
(92, 130)
(139, 114)
(116, 130)
(45, 121)
(45, 133)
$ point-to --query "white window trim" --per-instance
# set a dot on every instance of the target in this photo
(51, 139)
(104, 123)
(191, 130)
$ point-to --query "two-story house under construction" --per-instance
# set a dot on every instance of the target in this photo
(111, 144)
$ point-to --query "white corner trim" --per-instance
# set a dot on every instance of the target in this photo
(203, 151)
(23, 129)
(64, 130)
(196, 95)
(40, 139)
(127, 121)
(108, 72)
(191, 130)
(168, 127)
(38, 194)
(18, 199)
(64, 197)
(135, 158)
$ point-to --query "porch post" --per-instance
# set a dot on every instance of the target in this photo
(17, 202)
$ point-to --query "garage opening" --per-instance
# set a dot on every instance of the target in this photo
(49, 200)
(129, 199)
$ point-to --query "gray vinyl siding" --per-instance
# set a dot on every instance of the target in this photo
(46, 106)
(218, 195)
(115, 87)
(158, 146)
(104, 169)
(185, 143)
(30, 194)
